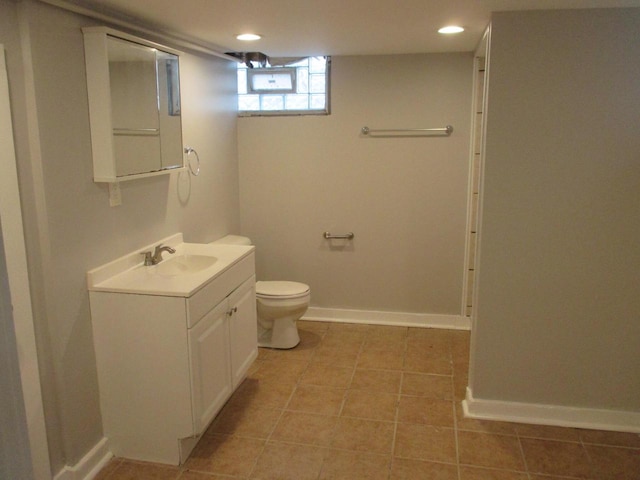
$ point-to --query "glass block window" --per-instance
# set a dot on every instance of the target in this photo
(311, 95)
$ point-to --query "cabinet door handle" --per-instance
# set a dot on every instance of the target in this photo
(232, 311)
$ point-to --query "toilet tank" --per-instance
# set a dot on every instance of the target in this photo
(233, 240)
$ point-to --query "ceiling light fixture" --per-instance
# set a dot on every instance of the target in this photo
(248, 37)
(451, 29)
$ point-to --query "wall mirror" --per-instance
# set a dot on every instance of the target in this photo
(134, 106)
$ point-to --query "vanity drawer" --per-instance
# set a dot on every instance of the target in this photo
(218, 289)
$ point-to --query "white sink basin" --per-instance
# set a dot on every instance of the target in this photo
(183, 264)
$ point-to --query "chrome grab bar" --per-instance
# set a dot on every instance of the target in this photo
(141, 132)
(345, 236)
(409, 131)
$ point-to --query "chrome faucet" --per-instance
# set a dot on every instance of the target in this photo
(157, 254)
(156, 257)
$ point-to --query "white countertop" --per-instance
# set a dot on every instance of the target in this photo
(128, 274)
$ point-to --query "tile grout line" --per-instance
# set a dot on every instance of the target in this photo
(453, 408)
(344, 400)
(282, 412)
(353, 374)
(592, 468)
(524, 457)
(395, 424)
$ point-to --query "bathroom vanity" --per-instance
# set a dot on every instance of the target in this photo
(172, 341)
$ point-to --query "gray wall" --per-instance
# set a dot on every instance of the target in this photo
(404, 198)
(69, 225)
(557, 308)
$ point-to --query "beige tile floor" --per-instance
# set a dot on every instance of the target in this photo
(374, 402)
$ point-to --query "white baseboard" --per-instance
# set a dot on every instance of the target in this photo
(89, 466)
(401, 319)
(561, 416)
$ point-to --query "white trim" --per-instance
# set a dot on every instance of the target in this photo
(556, 415)
(424, 320)
(113, 16)
(90, 465)
(16, 260)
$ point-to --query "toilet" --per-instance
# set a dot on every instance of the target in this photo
(279, 304)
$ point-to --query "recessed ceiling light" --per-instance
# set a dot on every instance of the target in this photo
(451, 29)
(248, 37)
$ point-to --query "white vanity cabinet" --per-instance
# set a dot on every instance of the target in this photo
(209, 357)
(222, 347)
(167, 364)
(243, 332)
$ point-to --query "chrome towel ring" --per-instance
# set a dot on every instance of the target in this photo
(189, 151)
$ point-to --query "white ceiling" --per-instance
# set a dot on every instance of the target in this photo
(328, 27)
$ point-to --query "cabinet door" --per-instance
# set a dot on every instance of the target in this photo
(243, 329)
(210, 369)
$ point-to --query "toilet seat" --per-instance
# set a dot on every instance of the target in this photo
(281, 289)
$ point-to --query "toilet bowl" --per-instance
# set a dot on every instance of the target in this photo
(279, 304)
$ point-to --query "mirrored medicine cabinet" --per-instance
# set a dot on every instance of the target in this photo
(134, 106)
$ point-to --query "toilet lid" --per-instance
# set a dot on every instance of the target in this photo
(281, 289)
